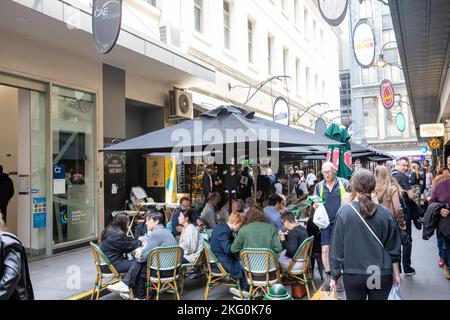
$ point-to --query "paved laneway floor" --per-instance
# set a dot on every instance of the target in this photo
(70, 274)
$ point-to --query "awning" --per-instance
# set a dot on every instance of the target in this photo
(222, 126)
(422, 30)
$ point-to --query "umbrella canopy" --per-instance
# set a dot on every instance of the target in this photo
(223, 125)
(340, 155)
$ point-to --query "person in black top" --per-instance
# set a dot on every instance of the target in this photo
(6, 192)
(263, 186)
(232, 179)
(207, 182)
(314, 231)
(399, 173)
(245, 184)
(116, 245)
(365, 244)
(292, 241)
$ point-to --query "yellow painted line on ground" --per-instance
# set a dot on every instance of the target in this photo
(82, 295)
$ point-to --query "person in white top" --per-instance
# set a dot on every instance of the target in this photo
(190, 237)
(311, 178)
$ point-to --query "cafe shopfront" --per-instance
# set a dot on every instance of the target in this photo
(60, 102)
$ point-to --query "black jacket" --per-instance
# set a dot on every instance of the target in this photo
(117, 245)
(294, 239)
(232, 182)
(207, 184)
(6, 189)
(353, 247)
(433, 220)
(15, 282)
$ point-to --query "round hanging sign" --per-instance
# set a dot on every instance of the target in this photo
(387, 94)
(281, 111)
(333, 11)
(106, 23)
(364, 44)
(401, 122)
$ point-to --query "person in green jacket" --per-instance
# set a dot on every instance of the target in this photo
(257, 233)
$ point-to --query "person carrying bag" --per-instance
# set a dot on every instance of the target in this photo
(372, 266)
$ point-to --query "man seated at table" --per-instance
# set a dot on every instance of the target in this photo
(209, 215)
(274, 211)
(158, 236)
(177, 228)
(296, 234)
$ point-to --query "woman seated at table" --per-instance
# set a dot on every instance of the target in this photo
(116, 245)
(157, 236)
(221, 239)
(236, 206)
(296, 234)
(190, 236)
(258, 232)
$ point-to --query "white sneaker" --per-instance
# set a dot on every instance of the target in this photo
(119, 287)
(237, 296)
(125, 296)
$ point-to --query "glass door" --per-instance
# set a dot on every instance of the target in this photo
(73, 141)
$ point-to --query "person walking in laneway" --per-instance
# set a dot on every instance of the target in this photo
(332, 191)
(375, 231)
(388, 193)
(6, 192)
(399, 173)
(441, 197)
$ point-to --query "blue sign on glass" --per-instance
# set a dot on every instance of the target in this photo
(59, 171)
(39, 213)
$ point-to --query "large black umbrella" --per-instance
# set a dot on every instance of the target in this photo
(223, 125)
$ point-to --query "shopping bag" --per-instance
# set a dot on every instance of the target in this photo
(321, 217)
(395, 293)
(325, 295)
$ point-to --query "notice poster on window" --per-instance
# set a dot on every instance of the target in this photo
(39, 213)
(24, 184)
(59, 179)
(155, 172)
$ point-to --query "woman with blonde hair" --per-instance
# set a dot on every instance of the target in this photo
(388, 192)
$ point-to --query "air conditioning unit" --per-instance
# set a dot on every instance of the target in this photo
(170, 35)
(180, 105)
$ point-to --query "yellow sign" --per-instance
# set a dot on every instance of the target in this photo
(155, 172)
(434, 143)
(170, 179)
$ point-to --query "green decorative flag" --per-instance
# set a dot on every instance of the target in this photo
(340, 155)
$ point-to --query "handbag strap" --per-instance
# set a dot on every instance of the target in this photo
(365, 223)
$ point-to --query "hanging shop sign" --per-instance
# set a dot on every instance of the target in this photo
(281, 111)
(321, 126)
(434, 143)
(424, 149)
(333, 11)
(432, 130)
(401, 122)
(106, 23)
(387, 94)
(364, 44)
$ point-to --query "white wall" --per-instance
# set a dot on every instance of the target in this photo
(322, 57)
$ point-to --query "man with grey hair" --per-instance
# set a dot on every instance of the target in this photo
(332, 191)
(209, 215)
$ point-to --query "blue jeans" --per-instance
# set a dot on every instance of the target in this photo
(441, 245)
(446, 253)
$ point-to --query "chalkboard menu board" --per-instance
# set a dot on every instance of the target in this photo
(181, 178)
